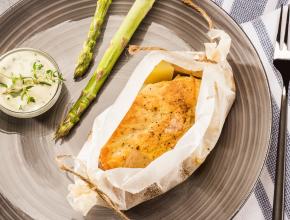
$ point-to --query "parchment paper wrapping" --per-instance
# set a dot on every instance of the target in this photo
(128, 187)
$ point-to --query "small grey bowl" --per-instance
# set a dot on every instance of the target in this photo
(49, 104)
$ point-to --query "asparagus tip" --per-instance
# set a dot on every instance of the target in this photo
(63, 130)
(57, 135)
(78, 73)
(76, 76)
(81, 69)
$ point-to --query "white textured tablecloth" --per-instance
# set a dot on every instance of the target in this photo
(259, 19)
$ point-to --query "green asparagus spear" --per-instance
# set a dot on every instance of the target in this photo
(136, 14)
(86, 55)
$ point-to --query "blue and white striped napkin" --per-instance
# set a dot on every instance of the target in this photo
(260, 19)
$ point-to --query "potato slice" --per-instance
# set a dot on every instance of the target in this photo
(162, 72)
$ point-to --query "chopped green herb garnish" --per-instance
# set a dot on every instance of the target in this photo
(49, 72)
(60, 77)
(22, 84)
(44, 83)
(23, 93)
(14, 79)
(14, 92)
(37, 66)
(30, 99)
(3, 85)
(29, 87)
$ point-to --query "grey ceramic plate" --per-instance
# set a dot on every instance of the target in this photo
(31, 184)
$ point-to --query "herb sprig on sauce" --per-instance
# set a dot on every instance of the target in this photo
(21, 85)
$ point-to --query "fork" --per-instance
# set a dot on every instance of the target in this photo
(282, 64)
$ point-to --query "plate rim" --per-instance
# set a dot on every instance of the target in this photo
(270, 130)
(6, 13)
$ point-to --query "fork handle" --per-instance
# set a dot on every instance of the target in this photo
(278, 204)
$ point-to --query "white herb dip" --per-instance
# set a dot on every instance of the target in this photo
(20, 63)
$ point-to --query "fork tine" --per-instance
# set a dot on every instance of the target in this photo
(282, 28)
(288, 29)
(279, 29)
